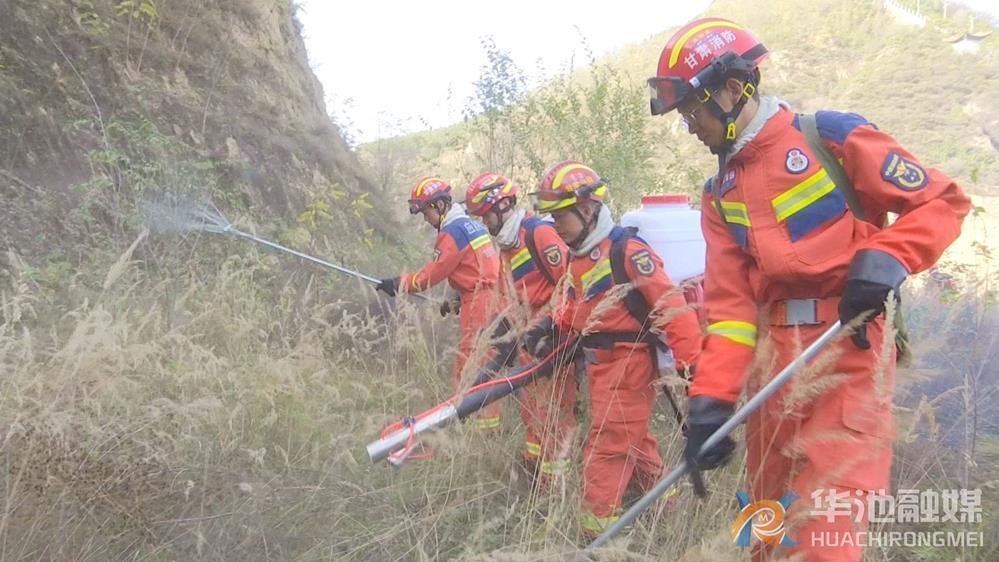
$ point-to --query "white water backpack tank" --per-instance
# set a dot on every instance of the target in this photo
(673, 229)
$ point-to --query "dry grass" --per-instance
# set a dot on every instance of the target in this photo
(216, 417)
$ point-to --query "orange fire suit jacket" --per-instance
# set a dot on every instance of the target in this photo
(785, 231)
(463, 254)
(534, 277)
(586, 311)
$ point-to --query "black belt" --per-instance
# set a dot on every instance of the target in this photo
(606, 340)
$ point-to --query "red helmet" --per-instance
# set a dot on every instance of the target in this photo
(427, 191)
(486, 191)
(699, 57)
(567, 183)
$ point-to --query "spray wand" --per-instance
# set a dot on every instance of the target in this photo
(180, 214)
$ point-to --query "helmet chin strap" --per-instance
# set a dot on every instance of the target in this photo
(442, 206)
(728, 118)
(501, 213)
(588, 225)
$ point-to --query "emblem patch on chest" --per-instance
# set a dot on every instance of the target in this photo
(595, 254)
(796, 161)
(643, 262)
(904, 173)
(552, 255)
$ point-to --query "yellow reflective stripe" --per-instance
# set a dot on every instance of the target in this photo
(594, 524)
(520, 258)
(532, 448)
(560, 466)
(479, 242)
(592, 277)
(505, 188)
(675, 55)
(486, 423)
(419, 188)
(802, 195)
(549, 206)
(735, 330)
(564, 172)
(735, 212)
(485, 193)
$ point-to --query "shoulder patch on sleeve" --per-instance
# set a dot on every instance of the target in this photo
(437, 254)
(553, 255)
(836, 126)
(643, 262)
(903, 173)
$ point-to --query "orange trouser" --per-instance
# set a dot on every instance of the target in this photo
(620, 447)
(547, 407)
(476, 314)
(832, 441)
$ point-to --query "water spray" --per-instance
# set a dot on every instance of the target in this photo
(174, 214)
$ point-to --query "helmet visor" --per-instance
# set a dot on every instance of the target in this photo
(547, 200)
(665, 93)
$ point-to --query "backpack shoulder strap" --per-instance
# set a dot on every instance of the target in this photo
(831, 164)
(619, 241)
(811, 130)
(634, 300)
(530, 224)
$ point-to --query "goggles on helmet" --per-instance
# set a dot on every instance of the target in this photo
(416, 206)
(667, 92)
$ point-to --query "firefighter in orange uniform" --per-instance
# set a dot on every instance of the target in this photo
(618, 339)
(796, 241)
(535, 259)
(465, 256)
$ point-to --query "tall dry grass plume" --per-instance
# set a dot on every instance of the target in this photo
(196, 415)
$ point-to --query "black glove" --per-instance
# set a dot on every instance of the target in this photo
(388, 286)
(503, 343)
(504, 352)
(705, 416)
(540, 339)
(872, 277)
(451, 306)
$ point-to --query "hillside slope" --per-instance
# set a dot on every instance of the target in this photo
(189, 397)
(825, 54)
(104, 103)
(185, 396)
